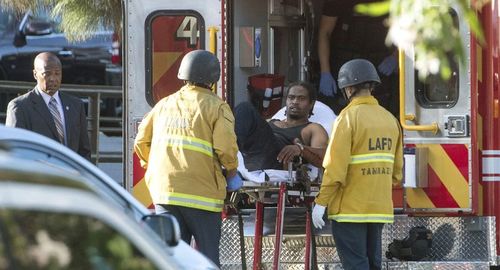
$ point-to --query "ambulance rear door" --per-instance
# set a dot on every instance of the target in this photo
(437, 136)
(157, 34)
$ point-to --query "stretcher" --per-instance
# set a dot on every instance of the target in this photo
(297, 187)
(293, 190)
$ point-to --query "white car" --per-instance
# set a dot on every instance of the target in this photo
(51, 219)
(30, 146)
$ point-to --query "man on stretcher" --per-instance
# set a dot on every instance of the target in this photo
(273, 144)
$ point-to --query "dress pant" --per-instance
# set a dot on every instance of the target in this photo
(359, 245)
(204, 226)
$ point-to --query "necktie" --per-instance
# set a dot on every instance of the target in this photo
(57, 119)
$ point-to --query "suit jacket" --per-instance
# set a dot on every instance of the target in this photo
(30, 112)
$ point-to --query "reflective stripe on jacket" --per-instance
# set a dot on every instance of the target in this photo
(363, 160)
(183, 143)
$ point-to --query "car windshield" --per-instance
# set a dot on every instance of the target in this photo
(44, 15)
(8, 21)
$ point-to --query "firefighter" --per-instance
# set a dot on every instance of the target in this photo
(362, 161)
(184, 144)
(343, 35)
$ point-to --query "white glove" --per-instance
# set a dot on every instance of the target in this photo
(317, 216)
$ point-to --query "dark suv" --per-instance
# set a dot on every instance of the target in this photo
(23, 36)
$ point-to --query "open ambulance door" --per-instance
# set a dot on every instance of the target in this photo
(436, 118)
(157, 35)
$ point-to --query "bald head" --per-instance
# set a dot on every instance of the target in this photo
(47, 72)
(46, 58)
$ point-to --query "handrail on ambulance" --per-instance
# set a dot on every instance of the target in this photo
(212, 46)
(403, 117)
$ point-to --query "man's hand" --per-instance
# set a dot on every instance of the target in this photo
(327, 84)
(317, 216)
(234, 183)
(288, 153)
(388, 65)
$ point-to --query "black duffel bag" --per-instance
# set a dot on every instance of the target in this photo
(415, 247)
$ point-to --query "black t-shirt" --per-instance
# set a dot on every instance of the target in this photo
(341, 8)
(355, 35)
(286, 136)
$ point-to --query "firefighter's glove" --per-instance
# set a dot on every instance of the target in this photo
(317, 216)
(388, 65)
(234, 183)
(327, 84)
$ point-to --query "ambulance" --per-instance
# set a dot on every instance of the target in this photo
(451, 127)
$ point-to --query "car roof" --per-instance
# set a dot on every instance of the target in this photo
(33, 187)
(12, 134)
(20, 170)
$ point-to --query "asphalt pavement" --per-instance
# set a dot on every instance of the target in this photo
(115, 145)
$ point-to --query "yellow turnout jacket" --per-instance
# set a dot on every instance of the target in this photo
(363, 160)
(183, 143)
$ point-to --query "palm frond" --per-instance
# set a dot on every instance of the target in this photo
(20, 6)
(79, 18)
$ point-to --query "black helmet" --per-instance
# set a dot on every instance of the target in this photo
(199, 66)
(357, 71)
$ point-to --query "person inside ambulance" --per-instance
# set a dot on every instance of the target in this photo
(344, 35)
(363, 160)
(184, 144)
(274, 144)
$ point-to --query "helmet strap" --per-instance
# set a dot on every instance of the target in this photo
(353, 93)
(343, 90)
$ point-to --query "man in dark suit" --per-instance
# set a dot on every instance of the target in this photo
(49, 112)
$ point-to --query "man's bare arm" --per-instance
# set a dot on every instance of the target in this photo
(327, 24)
(314, 149)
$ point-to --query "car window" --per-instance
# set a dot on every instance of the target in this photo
(48, 240)
(8, 20)
(41, 154)
(43, 15)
